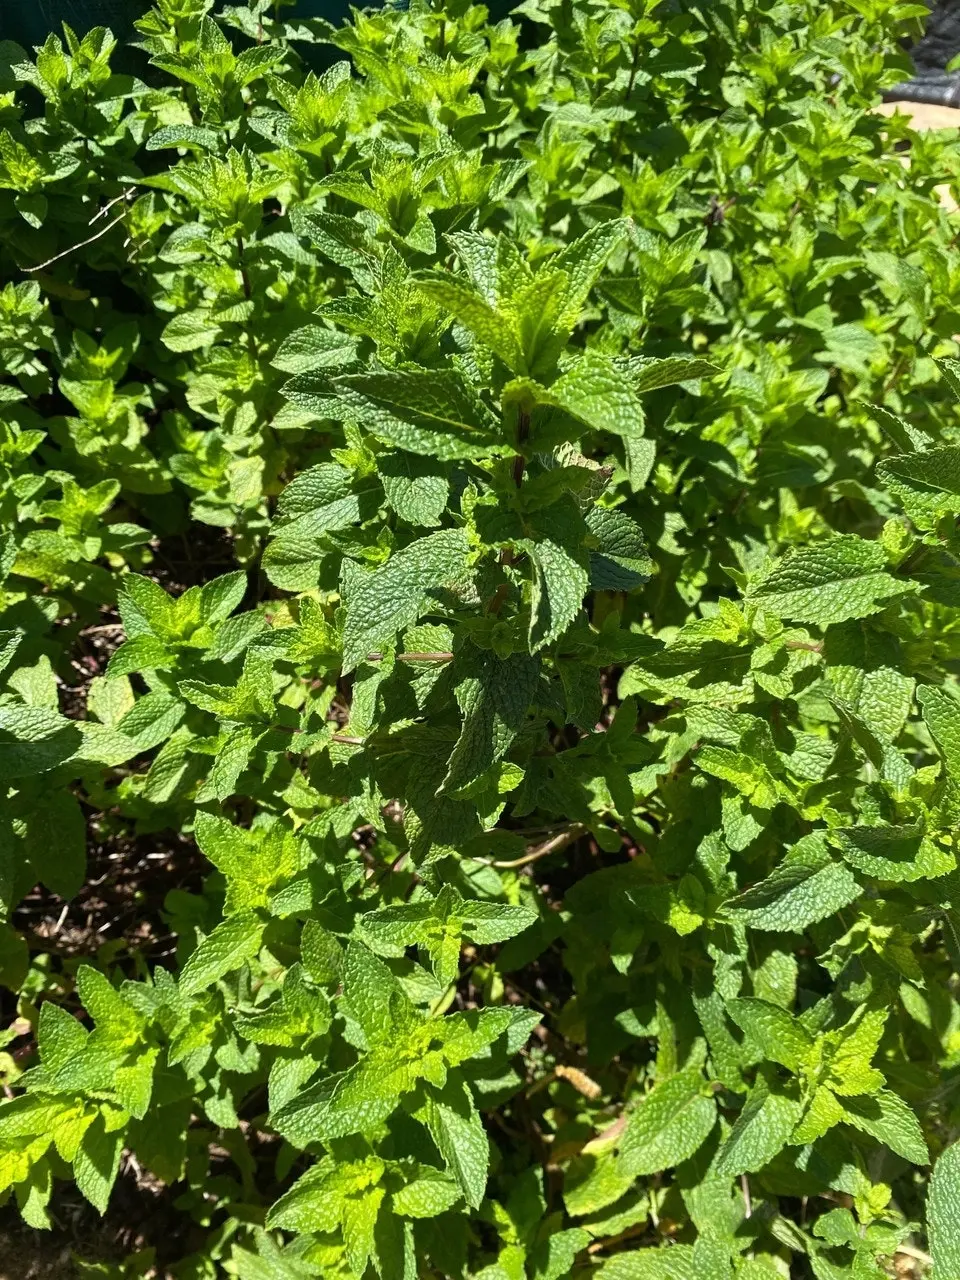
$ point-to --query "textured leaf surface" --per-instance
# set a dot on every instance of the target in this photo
(886, 1117)
(795, 895)
(668, 1126)
(600, 396)
(893, 853)
(494, 699)
(927, 483)
(943, 1214)
(560, 577)
(97, 1163)
(461, 1139)
(760, 1132)
(778, 1035)
(842, 578)
(620, 561)
(428, 412)
(225, 949)
(674, 1263)
(395, 595)
(415, 489)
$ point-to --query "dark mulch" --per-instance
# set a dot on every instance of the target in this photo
(128, 878)
(141, 1219)
(184, 560)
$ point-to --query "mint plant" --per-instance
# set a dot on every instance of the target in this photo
(478, 517)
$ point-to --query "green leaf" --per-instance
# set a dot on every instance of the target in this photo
(560, 577)
(220, 596)
(440, 925)
(314, 347)
(359, 1222)
(371, 990)
(886, 1117)
(432, 412)
(333, 1108)
(596, 393)
(190, 330)
(901, 854)
(456, 1128)
(416, 488)
(675, 1262)
(141, 653)
(247, 377)
(394, 596)
(806, 888)
(230, 945)
(760, 1132)
(668, 1126)
(14, 958)
(476, 314)
(494, 695)
(747, 775)
(618, 559)
(927, 483)
(582, 262)
(251, 861)
(319, 499)
(554, 1258)
(941, 712)
(183, 135)
(322, 953)
(943, 1214)
(34, 740)
(53, 832)
(97, 1163)
(649, 374)
(864, 670)
(829, 582)
(904, 435)
(775, 1032)
(429, 1194)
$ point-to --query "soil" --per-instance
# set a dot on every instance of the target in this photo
(121, 907)
(120, 911)
(128, 878)
(185, 560)
(141, 1223)
(23, 1257)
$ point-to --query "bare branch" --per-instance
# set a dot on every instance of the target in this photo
(74, 247)
(553, 845)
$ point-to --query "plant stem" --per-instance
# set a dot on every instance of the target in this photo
(73, 248)
(553, 845)
(248, 295)
(634, 68)
(442, 40)
(244, 276)
(507, 554)
(523, 431)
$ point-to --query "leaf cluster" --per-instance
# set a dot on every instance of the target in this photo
(514, 465)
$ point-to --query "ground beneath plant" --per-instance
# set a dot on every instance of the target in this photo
(141, 1218)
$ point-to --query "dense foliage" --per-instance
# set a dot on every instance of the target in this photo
(485, 494)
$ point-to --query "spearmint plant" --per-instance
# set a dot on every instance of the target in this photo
(478, 519)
